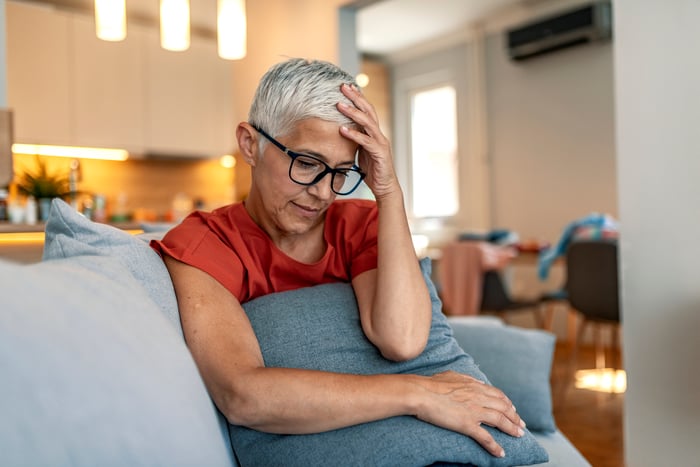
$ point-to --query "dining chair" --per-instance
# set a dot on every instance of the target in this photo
(592, 289)
(496, 299)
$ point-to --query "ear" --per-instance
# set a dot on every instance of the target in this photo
(247, 138)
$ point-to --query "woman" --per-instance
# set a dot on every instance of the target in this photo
(308, 127)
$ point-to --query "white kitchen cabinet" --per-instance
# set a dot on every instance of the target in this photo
(68, 87)
(107, 87)
(38, 74)
(188, 100)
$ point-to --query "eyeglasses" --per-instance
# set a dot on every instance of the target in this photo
(309, 170)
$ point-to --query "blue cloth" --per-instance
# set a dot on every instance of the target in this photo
(319, 328)
(597, 224)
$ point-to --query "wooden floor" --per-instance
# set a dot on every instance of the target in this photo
(591, 420)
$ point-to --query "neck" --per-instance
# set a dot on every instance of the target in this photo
(305, 247)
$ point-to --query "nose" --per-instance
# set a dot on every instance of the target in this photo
(322, 188)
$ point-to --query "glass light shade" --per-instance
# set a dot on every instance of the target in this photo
(175, 25)
(231, 29)
(110, 19)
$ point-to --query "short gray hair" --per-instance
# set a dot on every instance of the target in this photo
(298, 89)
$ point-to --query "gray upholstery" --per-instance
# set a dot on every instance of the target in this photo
(93, 374)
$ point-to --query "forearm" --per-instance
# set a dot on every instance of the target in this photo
(401, 310)
(293, 401)
(288, 401)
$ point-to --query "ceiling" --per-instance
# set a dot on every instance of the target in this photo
(383, 26)
(389, 26)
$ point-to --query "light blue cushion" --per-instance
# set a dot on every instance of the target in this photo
(318, 328)
(93, 375)
(516, 360)
(69, 233)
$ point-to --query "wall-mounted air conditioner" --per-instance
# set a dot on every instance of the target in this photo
(580, 26)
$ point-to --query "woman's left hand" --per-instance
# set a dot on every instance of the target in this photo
(374, 157)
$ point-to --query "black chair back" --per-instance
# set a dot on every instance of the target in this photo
(494, 296)
(592, 279)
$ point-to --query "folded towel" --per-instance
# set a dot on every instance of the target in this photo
(592, 226)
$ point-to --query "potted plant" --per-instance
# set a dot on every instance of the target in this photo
(43, 185)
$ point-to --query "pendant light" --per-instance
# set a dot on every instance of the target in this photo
(175, 24)
(231, 29)
(110, 19)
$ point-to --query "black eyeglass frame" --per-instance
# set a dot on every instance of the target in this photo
(328, 169)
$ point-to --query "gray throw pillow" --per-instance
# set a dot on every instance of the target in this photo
(94, 375)
(517, 361)
(318, 328)
(69, 233)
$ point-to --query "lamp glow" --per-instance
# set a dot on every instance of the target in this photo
(227, 161)
(175, 25)
(602, 380)
(71, 151)
(231, 29)
(110, 20)
(362, 80)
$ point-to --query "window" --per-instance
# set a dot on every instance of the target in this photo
(434, 152)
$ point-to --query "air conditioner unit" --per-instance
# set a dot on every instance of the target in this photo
(580, 26)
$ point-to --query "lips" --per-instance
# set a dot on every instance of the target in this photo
(307, 210)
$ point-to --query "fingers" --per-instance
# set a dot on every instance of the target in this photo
(497, 420)
(362, 113)
(363, 109)
(484, 438)
(374, 155)
(474, 404)
(505, 419)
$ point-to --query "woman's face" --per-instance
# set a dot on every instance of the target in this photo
(286, 208)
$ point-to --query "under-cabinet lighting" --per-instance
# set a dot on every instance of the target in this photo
(175, 25)
(38, 238)
(21, 238)
(231, 29)
(71, 151)
(110, 19)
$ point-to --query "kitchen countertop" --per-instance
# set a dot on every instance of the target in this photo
(7, 227)
(24, 243)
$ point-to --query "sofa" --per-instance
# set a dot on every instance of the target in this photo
(95, 370)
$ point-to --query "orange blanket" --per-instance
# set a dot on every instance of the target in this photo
(460, 273)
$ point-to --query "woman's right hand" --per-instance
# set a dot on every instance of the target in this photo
(461, 403)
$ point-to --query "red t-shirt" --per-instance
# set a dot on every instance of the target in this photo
(228, 245)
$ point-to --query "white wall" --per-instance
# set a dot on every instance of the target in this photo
(550, 137)
(658, 152)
